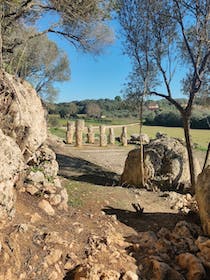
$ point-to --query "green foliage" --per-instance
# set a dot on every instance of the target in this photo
(53, 121)
(63, 113)
(58, 132)
(50, 178)
(117, 112)
(36, 169)
(72, 110)
(148, 117)
(74, 194)
(200, 119)
(92, 110)
(82, 23)
(118, 98)
(169, 118)
(40, 62)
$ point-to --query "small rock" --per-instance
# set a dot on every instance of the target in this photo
(193, 265)
(57, 183)
(64, 195)
(188, 197)
(22, 228)
(72, 261)
(21, 189)
(63, 206)
(36, 177)
(54, 238)
(45, 206)
(114, 218)
(55, 199)
(53, 257)
(22, 276)
(203, 242)
(130, 275)
(53, 276)
(49, 188)
(31, 189)
(162, 271)
(35, 218)
(78, 230)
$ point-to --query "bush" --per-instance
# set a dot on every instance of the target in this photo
(148, 117)
(170, 119)
(53, 121)
(200, 123)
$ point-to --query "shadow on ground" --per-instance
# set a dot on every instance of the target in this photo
(149, 221)
(84, 171)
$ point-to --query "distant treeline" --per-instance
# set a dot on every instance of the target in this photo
(158, 113)
(199, 120)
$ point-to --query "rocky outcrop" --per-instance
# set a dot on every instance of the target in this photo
(10, 168)
(202, 192)
(25, 158)
(165, 165)
(22, 116)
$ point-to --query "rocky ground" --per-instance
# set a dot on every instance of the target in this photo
(145, 246)
(101, 235)
(72, 220)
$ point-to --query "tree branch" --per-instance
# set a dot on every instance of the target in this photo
(24, 5)
(203, 63)
(180, 21)
(170, 99)
(165, 79)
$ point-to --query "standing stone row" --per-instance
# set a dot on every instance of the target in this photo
(78, 130)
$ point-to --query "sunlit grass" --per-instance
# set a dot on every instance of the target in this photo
(60, 132)
(199, 136)
(74, 194)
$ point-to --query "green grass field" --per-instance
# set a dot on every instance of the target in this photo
(200, 136)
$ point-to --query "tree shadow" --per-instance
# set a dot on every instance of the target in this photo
(149, 221)
(78, 169)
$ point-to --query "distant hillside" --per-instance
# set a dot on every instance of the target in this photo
(158, 112)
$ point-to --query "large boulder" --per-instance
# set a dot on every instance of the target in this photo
(12, 164)
(22, 116)
(202, 193)
(23, 135)
(165, 165)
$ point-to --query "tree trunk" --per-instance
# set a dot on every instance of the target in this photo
(141, 144)
(186, 123)
(206, 157)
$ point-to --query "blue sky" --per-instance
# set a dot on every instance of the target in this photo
(103, 76)
(93, 77)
